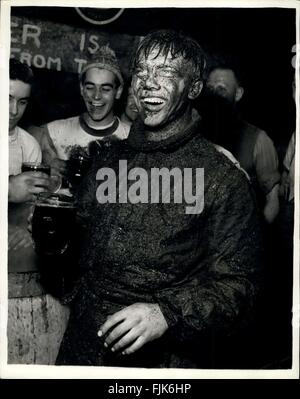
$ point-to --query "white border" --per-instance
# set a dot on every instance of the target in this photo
(4, 84)
(296, 275)
(71, 372)
(157, 3)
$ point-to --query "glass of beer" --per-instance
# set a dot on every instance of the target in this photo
(53, 223)
(77, 167)
(55, 181)
(36, 167)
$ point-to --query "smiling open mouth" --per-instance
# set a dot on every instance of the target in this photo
(153, 100)
(153, 104)
(97, 105)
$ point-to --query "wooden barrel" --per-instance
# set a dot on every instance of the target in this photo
(36, 321)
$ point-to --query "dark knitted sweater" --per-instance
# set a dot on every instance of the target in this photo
(201, 269)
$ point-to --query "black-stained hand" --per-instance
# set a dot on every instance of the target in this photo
(18, 238)
(132, 327)
(25, 186)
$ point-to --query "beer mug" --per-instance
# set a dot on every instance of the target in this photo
(36, 167)
(55, 179)
(53, 223)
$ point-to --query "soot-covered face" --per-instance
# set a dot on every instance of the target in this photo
(162, 86)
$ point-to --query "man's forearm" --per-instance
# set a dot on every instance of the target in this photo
(271, 208)
(48, 149)
(13, 196)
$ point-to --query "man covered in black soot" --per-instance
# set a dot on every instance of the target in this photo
(171, 252)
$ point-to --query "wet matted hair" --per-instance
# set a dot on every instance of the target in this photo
(177, 44)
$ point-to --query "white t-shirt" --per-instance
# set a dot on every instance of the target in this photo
(72, 132)
(22, 148)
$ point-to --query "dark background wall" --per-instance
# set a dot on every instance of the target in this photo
(262, 39)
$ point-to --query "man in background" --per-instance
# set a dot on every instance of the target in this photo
(36, 321)
(101, 84)
(22, 146)
(250, 145)
(130, 112)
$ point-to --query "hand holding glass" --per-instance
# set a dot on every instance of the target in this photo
(53, 223)
(55, 178)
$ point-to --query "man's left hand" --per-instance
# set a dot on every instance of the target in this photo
(134, 326)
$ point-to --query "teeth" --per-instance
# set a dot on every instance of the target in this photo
(97, 105)
(153, 100)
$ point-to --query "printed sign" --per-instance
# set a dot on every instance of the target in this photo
(61, 47)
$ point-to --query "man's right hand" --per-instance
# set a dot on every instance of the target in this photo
(24, 186)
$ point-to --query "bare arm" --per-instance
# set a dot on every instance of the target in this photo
(271, 207)
(266, 163)
(49, 153)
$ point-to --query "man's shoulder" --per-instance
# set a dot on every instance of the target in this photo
(63, 123)
(263, 141)
(225, 177)
(254, 137)
(204, 148)
(122, 130)
(249, 128)
(27, 137)
(215, 163)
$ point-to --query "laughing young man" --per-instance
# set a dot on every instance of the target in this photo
(101, 84)
(31, 338)
(159, 284)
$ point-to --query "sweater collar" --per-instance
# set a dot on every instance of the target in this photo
(137, 138)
